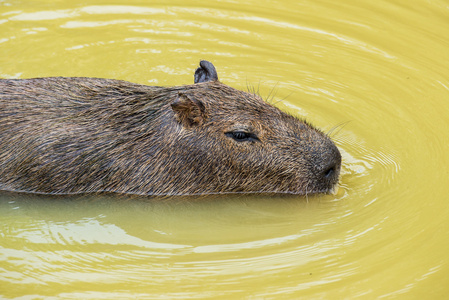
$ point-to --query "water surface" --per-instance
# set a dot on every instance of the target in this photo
(374, 74)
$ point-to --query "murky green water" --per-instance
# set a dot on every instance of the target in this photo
(376, 70)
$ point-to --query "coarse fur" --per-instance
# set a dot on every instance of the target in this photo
(66, 135)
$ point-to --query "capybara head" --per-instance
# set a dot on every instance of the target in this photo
(94, 135)
(250, 145)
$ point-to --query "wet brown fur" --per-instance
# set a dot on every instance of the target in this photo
(82, 135)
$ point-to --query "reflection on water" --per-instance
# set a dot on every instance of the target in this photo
(373, 75)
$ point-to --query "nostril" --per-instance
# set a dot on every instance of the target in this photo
(329, 172)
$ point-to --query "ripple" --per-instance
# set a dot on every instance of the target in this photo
(379, 68)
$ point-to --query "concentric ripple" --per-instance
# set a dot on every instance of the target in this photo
(374, 75)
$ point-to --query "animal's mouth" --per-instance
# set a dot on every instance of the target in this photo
(334, 189)
(324, 185)
(328, 191)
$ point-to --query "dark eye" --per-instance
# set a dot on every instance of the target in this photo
(242, 136)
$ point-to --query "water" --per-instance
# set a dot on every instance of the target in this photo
(374, 73)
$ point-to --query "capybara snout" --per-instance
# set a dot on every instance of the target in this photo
(82, 135)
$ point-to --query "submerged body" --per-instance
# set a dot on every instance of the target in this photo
(83, 135)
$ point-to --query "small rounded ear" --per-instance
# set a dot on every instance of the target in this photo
(188, 111)
(205, 72)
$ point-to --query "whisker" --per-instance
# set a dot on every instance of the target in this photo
(307, 196)
(279, 101)
(339, 126)
(248, 86)
(251, 89)
(271, 92)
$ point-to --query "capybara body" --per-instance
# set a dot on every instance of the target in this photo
(86, 135)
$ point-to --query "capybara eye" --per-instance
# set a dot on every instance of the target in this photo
(242, 136)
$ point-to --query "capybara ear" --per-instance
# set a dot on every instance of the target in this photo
(205, 72)
(188, 111)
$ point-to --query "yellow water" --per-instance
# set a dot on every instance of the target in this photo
(376, 70)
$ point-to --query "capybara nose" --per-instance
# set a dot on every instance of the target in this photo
(331, 169)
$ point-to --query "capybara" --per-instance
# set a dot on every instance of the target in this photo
(70, 135)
